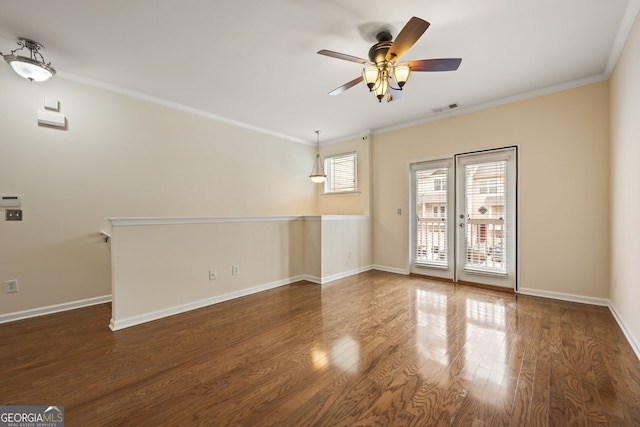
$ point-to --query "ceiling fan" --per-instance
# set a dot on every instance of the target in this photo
(381, 70)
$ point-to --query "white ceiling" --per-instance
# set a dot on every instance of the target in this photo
(254, 62)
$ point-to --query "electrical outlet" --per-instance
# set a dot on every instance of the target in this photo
(212, 274)
(350, 254)
(10, 286)
(13, 215)
(235, 270)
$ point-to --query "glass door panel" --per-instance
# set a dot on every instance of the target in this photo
(486, 218)
(432, 213)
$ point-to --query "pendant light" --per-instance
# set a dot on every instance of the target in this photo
(317, 173)
(32, 67)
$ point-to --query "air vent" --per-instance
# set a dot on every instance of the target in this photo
(446, 107)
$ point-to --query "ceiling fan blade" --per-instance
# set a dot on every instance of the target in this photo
(407, 37)
(442, 64)
(346, 86)
(342, 56)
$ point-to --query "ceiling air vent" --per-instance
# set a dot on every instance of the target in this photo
(446, 107)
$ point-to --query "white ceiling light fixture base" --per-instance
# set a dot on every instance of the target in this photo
(33, 67)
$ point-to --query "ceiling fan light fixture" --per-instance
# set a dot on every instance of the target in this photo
(317, 173)
(401, 74)
(380, 73)
(382, 86)
(32, 68)
(371, 74)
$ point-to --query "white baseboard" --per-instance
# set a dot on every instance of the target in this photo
(564, 297)
(327, 279)
(313, 279)
(633, 341)
(116, 325)
(43, 311)
(390, 269)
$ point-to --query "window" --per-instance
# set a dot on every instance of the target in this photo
(439, 184)
(430, 235)
(488, 186)
(439, 211)
(486, 220)
(342, 173)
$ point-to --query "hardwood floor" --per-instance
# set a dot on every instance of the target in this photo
(372, 349)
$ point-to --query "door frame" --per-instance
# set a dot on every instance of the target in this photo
(411, 218)
(447, 273)
(488, 278)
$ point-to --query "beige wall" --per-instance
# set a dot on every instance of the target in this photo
(563, 184)
(625, 186)
(161, 269)
(349, 203)
(312, 249)
(346, 246)
(121, 156)
(161, 265)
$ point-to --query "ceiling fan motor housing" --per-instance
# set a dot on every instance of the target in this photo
(378, 52)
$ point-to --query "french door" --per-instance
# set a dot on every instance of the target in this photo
(463, 218)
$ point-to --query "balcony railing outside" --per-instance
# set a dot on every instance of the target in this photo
(485, 240)
(485, 245)
(431, 241)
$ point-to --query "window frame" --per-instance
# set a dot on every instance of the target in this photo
(329, 182)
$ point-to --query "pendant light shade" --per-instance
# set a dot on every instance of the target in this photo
(371, 74)
(401, 74)
(382, 85)
(317, 173)
(32, 67)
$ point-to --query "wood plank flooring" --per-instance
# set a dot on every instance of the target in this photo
(372, 349)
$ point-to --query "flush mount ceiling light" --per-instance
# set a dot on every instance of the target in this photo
(381, 70)
(317, 173)
(32, 67)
